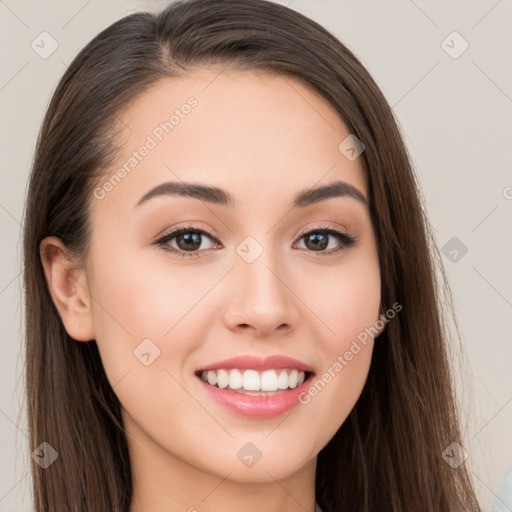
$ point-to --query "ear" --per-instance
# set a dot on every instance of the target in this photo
(67, 283)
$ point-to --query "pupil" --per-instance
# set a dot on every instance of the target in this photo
(317, 241)
(193, 238)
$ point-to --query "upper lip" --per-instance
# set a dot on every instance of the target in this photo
(258, 363)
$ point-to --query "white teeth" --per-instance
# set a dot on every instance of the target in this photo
(292, 379)
(235, 379)
(282, 381)
(212, 378)
(269, 381)
(253, 380)
(222, 379)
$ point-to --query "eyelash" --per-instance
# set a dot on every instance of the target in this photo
(346, 240)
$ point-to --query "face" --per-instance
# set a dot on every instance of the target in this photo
(253, 276)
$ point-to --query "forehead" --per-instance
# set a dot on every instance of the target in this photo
(243, 131)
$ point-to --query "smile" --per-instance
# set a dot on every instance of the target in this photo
(255, 403)
(251, 381)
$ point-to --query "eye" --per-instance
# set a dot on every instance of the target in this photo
(318, 240)
(189, 241)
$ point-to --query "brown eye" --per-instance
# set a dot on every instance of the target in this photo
(318, 240)
(188, 240)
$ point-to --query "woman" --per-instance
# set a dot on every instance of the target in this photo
(230, 295)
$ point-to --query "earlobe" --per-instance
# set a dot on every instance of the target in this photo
(67, 283)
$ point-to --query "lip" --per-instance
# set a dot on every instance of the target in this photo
(256, 363)
(257, 406)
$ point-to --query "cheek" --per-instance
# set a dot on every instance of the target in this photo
(353, 314)
(346, 300)
(354, 306)
(139, 299)
(133, 303)
(143, 324)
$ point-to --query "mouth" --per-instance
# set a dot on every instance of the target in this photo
(254, 402)
(254, 387)
(252, 382)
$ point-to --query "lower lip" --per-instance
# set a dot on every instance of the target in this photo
(257, 406)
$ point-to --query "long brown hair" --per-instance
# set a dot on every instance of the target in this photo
(388, 453)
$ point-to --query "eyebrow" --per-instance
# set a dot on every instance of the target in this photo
(221, 197)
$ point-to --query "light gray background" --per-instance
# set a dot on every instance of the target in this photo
(455, 115)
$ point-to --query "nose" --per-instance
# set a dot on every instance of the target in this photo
(261, 299)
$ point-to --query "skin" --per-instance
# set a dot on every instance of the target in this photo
(262, 138)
